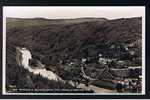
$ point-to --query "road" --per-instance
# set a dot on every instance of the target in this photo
(52, 76)
(96, 89)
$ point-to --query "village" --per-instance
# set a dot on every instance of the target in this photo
(126, 79)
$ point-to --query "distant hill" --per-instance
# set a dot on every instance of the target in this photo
(51, 40)
(23, 22)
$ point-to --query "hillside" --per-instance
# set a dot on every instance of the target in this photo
(69, 40)
(73, 38)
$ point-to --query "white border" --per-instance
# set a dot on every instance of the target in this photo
(4, 61)
(4, 56)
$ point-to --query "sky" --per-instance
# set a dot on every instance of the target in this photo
(67, 12)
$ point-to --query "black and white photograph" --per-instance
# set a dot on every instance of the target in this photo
(71, 50)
